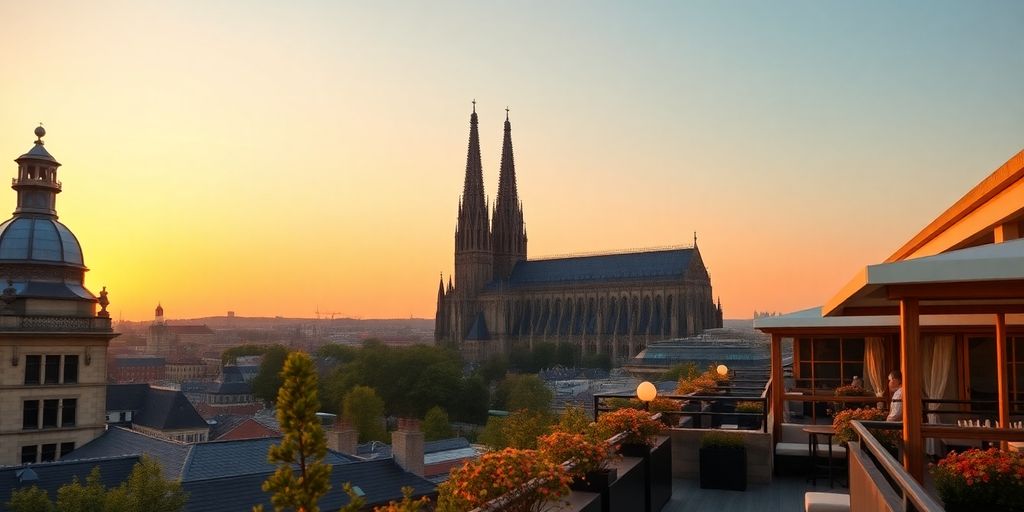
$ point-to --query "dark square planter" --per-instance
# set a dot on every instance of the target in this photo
(634, 450)
(723, 468)
(595, 481)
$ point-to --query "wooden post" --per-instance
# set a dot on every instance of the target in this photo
(910, 345)
(1002, 379)
(778, 388)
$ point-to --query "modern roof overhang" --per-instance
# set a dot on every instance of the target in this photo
(977, 280)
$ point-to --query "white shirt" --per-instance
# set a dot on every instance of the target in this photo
(896, 409)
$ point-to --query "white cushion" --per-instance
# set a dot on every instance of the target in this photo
(826, 502)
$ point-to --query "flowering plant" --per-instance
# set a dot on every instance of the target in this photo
(849, 391)
(852, 391)
(638, 425)
(844, 431)
(585, 452)
(981, 480)
(526, 479)
(702, 383)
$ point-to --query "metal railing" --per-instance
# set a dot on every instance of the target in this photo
(715, 407)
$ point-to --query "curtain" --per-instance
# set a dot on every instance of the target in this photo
(936, 365)
(874, 365)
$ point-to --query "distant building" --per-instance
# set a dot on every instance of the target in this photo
(229, 427)
(128, 369)
(158, 412)
(53, 341)
(183, 369)
(174, 340)
(609, 304)
(226, 476)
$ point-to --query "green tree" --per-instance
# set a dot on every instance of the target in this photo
(602, 361)
(517, 430)
(268, 380)
(302, 443)
(436, 425)
(339, 353)
(229, 355)
(32, 499)
(91, 497)
(574, 420)
(474, 398)
(145, 491)
(364, 409)
(493, 369)
(523, 392)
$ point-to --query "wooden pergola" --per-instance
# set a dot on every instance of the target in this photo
(987, 279)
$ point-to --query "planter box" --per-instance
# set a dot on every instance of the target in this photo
(629, 491)
(595, 481)
(634, 450)
(660, 469)
(723, 468)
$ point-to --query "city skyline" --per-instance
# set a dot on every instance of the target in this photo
(276, 160)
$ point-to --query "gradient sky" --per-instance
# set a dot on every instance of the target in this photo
(273, 158)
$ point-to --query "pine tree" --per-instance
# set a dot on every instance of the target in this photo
(302, 443)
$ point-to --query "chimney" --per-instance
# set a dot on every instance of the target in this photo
(343, 437)
(407, 445)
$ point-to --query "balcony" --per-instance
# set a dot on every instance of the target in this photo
(54, 324)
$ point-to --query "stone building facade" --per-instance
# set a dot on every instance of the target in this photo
(53, 341)
(606, 303)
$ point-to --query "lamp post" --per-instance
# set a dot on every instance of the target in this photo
(646, 392)
(722, 370)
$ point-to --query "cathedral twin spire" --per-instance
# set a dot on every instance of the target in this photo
(504, 239)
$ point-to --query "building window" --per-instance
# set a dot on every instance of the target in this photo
(49, 453)
(827, 363)
(67, 415)
(66, 448)
(52, 375)
(50, 408)
(29, 454)
(30, 415)
(70, 369)
(55, 413)
(33, 364)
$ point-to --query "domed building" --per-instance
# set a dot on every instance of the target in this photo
(53, 331)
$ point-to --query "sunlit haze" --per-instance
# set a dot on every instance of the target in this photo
(276, 158)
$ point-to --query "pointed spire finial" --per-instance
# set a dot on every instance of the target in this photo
(506, 112)
(695, 239)
(474, 105)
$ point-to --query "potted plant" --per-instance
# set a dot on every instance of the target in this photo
(587, 455)
(723, 461)
(850, 390)
(638, 426)
(845, 434)
(666, 406)
(750, 407)
(527, 479)
(981, 480)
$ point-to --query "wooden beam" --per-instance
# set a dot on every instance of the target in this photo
(1007, 231)
(910, 344)
(1002, 379)
(1002, 289)
(778, 388)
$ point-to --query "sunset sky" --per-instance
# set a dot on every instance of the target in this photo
(272, 158)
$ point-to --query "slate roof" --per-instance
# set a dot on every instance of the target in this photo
(126, 362)
(224, 423)
(647, 265)
(50, 476)
(167, 409)
(126, 397)
(229, 388)
(117, 441)
(219, 459)
(380, 480)
(444, 445)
